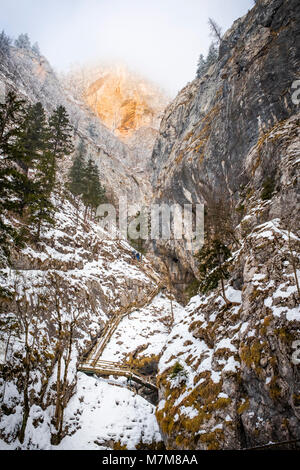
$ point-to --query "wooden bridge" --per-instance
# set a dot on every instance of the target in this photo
(94, 365)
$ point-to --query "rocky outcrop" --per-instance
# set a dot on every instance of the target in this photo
(228, 377)
(129, 106)
(125, 102)
(237, 385)
(209, 132)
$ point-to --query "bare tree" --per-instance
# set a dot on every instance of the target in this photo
(68, 319)
(215, 30)
(28, 309)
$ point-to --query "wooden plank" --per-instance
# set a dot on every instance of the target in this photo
(120, 373)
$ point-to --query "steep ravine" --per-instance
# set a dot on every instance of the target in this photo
(227, 374)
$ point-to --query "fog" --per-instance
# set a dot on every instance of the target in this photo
(160, 39)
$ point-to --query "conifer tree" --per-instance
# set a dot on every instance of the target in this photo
(97, 189)
(60, 133)
(23, 42)
(12, 181)
(94, 193)
(36, 49)
(213, 266)
(201, 66)
(212, 56)
(76, 177)
(214, 259)
(29, 142)
(32, 140)
(41, 208)
(5, 43)
(12, 114)
(204, 64)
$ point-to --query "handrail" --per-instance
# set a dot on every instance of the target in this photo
(115, 321)
(94, 364)
(118, 369)
(276, 444)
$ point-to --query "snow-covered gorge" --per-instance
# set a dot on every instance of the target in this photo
(227, 373)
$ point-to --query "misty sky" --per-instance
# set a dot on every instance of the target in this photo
(161, 39)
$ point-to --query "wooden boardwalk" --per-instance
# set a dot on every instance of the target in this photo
(112, 325)
(94, 365)
(107, 368)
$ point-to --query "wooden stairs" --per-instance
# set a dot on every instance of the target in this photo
(94, 365)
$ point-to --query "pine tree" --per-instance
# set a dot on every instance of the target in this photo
(12, 181)
(12, 114)
(204, 64)
(41, 208)
(32, 140)
(51, 147)
(29, 142)
(23, 42)
(12, 184)
(213, 266)
(93, 193)
(60, 133)
(98, 189)
(5, 43)
(56, 143)
(36, 49)
(201, 66)
(76, 177)
(212, 56)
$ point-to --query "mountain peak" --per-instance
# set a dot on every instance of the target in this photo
(124, 101)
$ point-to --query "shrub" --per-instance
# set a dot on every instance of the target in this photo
(178, 371)
(268, 189)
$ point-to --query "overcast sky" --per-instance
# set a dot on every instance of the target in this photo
(161, 39)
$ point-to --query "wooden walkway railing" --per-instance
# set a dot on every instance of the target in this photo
(113, 324)
(106, 368)
(93, 364)
(293, 444)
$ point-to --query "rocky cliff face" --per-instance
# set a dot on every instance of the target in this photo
(124, 102)
(128, 105)
(235, 132)
(210, 131)
(237, 385)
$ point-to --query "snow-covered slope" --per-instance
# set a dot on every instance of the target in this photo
(227, 377)
(64, 290)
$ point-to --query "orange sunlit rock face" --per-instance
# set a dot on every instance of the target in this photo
(125, 103)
